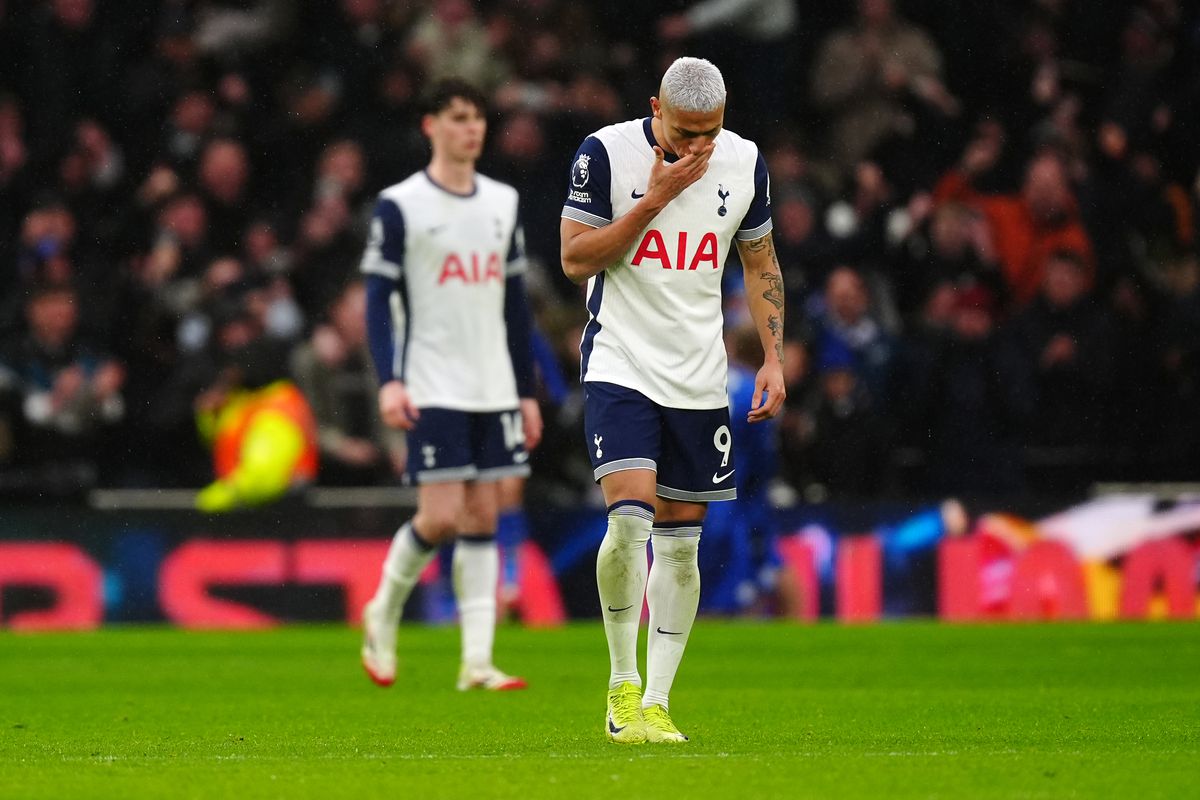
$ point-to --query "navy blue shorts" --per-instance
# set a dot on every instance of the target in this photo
(691, 450)
(449, 445)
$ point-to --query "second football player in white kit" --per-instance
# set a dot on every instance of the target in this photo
(449, 330)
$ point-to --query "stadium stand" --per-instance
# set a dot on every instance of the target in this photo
(1008, 189)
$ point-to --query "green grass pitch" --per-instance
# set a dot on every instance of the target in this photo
(774, 710)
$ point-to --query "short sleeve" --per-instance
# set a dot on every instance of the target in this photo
(384, 254)
(589, 189)
(757, 222)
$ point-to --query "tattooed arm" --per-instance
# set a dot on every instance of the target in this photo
(764, 294)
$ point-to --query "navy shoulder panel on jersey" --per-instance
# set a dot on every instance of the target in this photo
(757, 222)
(384, 254)
(589, 188)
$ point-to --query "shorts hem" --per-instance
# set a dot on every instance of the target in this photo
(447, 475)
(622, 464)
(669, 493)
(499, 473)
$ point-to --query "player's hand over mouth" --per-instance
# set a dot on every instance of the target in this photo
(667, 181)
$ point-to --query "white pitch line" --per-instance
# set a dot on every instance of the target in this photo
(515, 756)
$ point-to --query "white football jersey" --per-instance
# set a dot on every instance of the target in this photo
(449, 255)
(655, 315)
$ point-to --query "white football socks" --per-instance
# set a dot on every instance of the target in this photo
(406, 559)
(621, 579)
(673, 594)
(476, 573)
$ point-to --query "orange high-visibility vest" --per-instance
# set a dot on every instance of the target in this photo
(235, 419)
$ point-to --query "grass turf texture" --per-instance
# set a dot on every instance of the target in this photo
(774, 710)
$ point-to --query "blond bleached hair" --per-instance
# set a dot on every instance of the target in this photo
(693, 84)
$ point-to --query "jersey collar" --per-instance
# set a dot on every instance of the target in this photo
(670, 158)
(451, 192)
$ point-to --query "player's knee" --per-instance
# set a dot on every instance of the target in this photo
(631, 484)
(477, 520)
(480, 508)
(437, 525)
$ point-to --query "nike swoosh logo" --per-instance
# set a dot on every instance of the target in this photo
(637, 196)
(670, 633)
(618, 610)
(613, 728)
(520, 458)
(718, 478)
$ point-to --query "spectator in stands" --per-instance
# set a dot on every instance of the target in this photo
(333, 218)
(70, 59)
(1179, 357)
(388, 129)
(51, 251)
(1137, 99)
(1028, 227)
(49, 234)
(333, 369)
(341, 175)
(847, 446)
(69, 389)
(841, 316)
(1038, 77)
(264, 252)
(190, 125)
(1145, 147)
(1139, 215)
(792, 167)
(969, 394)
(806, 251)
(861, 220)
(953, 245)
(542, 43)
(326, 251)
(527, 40)
(16, 181)
(153, 83)
(353, 46)
(451, 41)
(180, 246)
(224, 176)
(865, 75)
(1067, 339)
(91, 177)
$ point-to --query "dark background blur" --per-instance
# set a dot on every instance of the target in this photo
(985, 212)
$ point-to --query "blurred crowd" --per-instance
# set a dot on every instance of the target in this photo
(985, 213)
